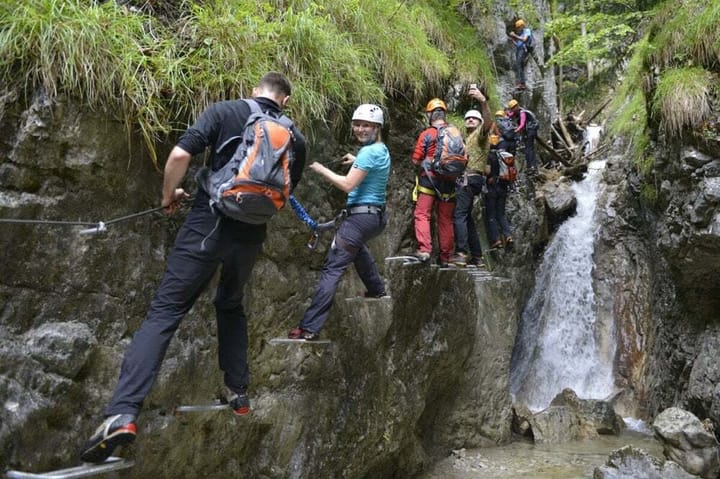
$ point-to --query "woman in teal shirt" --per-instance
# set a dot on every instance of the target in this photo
(366, 184)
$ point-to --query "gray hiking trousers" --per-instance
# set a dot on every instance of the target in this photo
(349, 247)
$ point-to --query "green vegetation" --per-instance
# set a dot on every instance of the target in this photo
(631, 120)
(671, 81)
(609, 28)
(687, 35)
(158, 72)
(681, 98)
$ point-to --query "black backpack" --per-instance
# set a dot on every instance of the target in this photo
(507, 128)
(531, 122)
(530, 44)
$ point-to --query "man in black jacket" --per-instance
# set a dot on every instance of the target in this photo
(205, 241)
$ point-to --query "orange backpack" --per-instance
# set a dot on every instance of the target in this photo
(255, 183)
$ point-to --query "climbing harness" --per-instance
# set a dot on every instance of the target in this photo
(316, 227)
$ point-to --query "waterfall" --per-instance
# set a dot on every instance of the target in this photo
(559, 339)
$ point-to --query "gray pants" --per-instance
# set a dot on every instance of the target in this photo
(202, 244)
(349, 247)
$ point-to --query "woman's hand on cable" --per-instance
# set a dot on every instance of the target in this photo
(172, 203)
(316, 167)
(348, 159)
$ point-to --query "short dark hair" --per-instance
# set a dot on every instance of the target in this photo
(276, 83)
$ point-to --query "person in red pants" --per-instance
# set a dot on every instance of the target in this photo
(431, 189)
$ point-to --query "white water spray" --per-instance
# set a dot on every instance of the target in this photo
(559, 343)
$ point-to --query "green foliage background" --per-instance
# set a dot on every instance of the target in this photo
(158, 71)
(672, 82)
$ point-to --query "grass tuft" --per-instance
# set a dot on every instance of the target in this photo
(681, 99)
(158, 73)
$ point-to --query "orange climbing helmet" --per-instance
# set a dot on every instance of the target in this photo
(520, 23)
(434, 104)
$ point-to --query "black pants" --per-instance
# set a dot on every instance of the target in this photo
(530, 159)
(495, 200)
(203, 243)
(466, 235)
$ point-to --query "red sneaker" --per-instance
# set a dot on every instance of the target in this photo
(300, 333)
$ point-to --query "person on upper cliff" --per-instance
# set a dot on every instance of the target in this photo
(206, 240)
(431, 189)
(366, 185)
(523, 40)
(477, 142)
(527, 126)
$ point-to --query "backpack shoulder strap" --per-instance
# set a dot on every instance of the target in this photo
(253, 105)
(254, 109)
(257, 110)
(439, 138)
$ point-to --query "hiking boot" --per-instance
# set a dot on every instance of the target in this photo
(459, 259)
(300, 333)
(239, 403)
(476, 262)
(422, 256)
(117, 430)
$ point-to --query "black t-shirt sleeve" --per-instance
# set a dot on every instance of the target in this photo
(300, 154)
(203, 133)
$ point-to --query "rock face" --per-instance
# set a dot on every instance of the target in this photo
(405, 378)
(569, 418)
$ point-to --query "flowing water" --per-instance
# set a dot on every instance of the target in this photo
(560, 344)
(575, 460)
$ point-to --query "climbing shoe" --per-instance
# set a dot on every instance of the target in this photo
(476, 262)
(459, 259)
(368, 294)
(239, 403)
(117, 430)
(422, 256)
(509, 241)
(300, 333)
(497, 244)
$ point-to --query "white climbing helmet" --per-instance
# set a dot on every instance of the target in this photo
(369, 112)
(474, 114)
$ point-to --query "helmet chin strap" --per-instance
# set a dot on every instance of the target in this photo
(372, 139)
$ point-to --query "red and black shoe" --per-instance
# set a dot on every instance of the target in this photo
(300, 333)
(239, 403)
(117, 430)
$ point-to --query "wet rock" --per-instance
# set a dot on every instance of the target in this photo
(560, 201)
(687, 442)
(571, 418)
(631, 462)
(695, 158)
